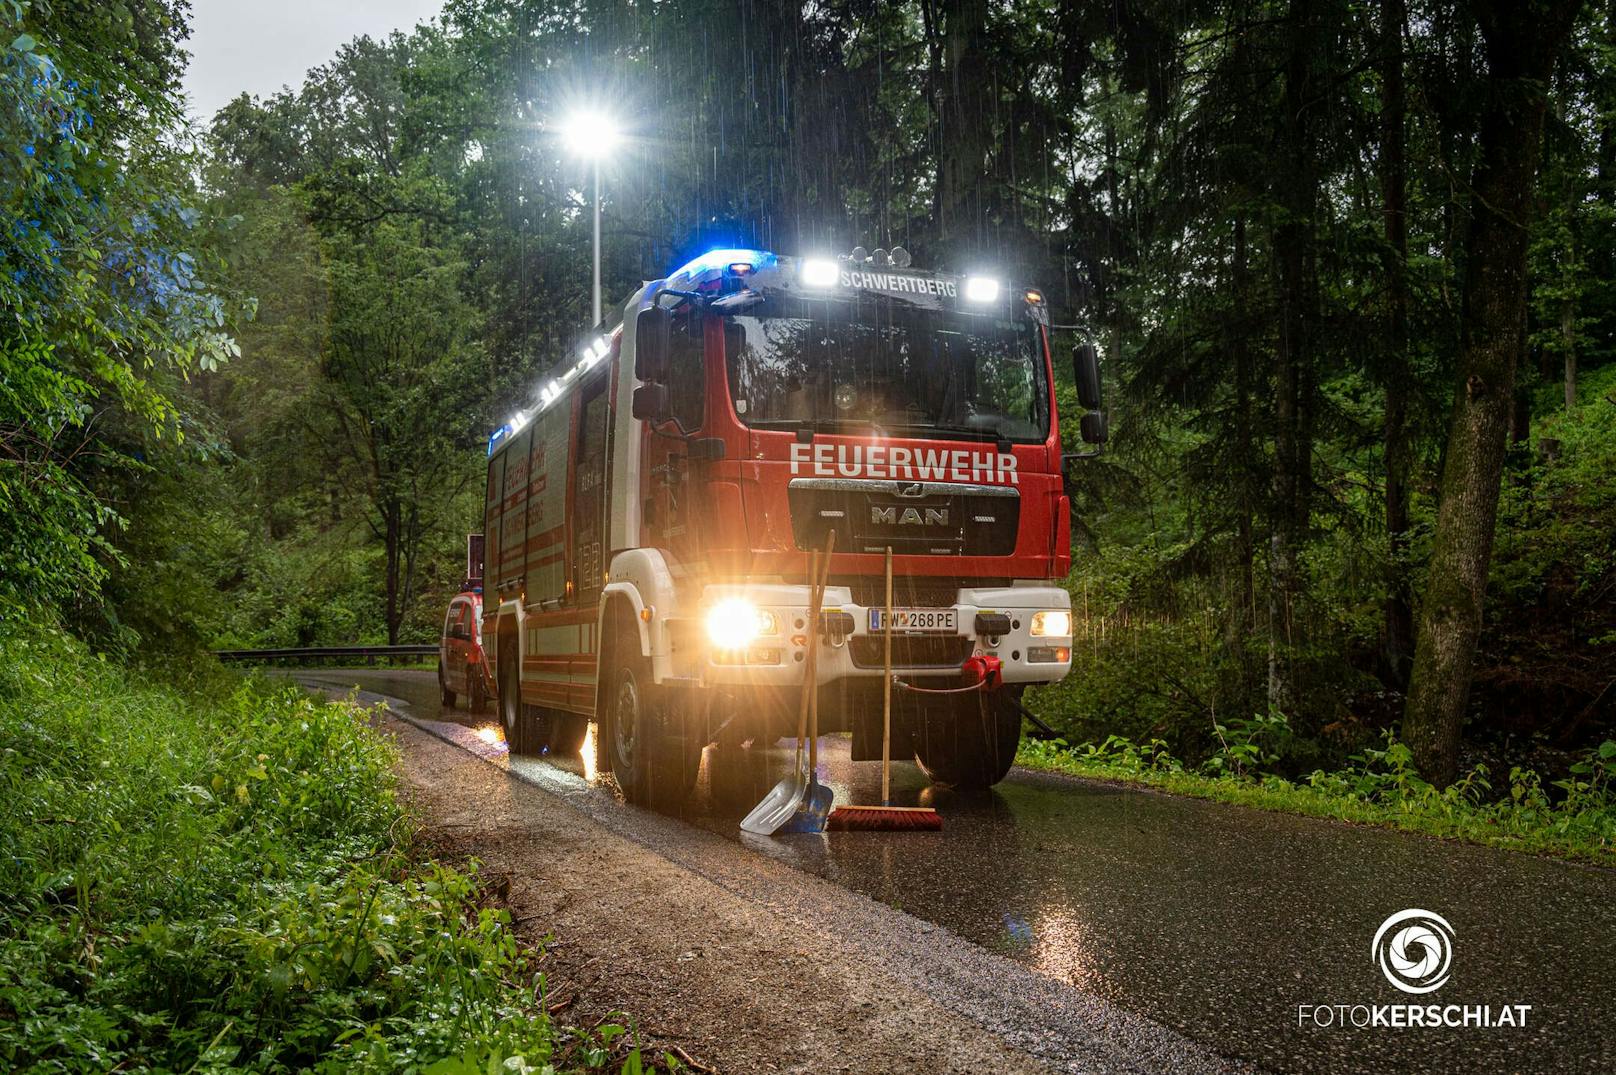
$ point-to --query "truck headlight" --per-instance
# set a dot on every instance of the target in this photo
(735, 622)
(1051, 623)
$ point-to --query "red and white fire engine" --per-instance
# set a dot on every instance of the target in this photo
(649, 521)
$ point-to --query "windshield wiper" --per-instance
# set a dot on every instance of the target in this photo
(973, 432)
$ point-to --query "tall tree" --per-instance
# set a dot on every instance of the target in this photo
(1522, 41)
(1397, 639)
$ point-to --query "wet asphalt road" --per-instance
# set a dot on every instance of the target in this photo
(1217, 921)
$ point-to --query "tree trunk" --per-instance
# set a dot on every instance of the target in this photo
(1568, 341)
(964, 124)
(1293, 450)
(390, 549)
(1397, 642)
(1522, 40)
(1243, 612)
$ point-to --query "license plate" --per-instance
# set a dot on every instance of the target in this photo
(917, 619)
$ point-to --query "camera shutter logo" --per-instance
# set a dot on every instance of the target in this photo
(1415, 950)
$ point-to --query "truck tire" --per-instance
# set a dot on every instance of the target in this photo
(446, 695)
(648, 754)
(512, 713)
(968, 741)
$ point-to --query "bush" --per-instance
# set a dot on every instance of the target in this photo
(217, 881)
(1378, 785)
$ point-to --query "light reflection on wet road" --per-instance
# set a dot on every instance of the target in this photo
(1214, 920)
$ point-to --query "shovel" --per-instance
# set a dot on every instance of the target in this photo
(799, 803)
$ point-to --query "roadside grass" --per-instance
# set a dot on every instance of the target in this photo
(1576, 820)
(219, 878)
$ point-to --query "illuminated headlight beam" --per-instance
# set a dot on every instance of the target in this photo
(818, 272)
(735, 622)
(981, 289)
(1051, 623)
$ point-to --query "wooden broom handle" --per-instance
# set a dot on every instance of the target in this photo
(886, 692)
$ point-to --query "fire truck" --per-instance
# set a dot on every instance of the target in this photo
(650, 519)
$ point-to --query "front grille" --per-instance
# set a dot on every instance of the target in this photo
(937, 519)
(871, 591)
(910, 651)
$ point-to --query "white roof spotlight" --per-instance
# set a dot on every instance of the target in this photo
(981, 289)
(819, 272)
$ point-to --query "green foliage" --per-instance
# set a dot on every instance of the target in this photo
(215, 881)
(1379, 785)
(103, 293)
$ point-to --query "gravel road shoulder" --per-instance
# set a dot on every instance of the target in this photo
(746, 964)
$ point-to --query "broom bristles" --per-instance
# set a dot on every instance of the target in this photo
(884, 819)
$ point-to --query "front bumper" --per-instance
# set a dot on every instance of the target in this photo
(779, 658)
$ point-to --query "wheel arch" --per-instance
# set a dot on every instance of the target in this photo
(507, 648)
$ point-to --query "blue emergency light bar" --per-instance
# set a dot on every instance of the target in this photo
(744, 261)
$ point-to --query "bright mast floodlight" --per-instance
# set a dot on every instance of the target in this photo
(981, 289)
(819, 272)
(590, 134)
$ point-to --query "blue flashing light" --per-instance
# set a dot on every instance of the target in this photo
(719, 260)
(496, 436)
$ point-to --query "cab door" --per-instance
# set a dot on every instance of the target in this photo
(589, 497)
(670, 513)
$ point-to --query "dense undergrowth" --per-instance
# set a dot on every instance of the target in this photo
(1163, 650)
(220, 878)
(1574, 817)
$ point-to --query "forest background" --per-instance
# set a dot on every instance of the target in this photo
(1350, 266)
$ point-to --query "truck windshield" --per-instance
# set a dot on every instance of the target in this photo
(887, 366)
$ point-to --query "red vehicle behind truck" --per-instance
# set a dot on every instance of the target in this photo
(649, 521)
(462, 667)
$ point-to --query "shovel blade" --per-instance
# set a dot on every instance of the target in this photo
(811, 813)
(777, 806)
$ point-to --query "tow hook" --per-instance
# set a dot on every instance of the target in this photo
(983, 671)
(836, 625)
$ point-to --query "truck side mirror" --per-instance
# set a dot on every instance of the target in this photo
(1093, 427)
(1086, 372)
(651, 402)
(652, 329)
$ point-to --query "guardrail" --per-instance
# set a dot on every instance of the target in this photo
(313, 654)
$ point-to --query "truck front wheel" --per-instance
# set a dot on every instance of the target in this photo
(512, 713)
(648, 752)
(968, 741)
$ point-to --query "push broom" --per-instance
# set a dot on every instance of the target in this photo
(886, 817)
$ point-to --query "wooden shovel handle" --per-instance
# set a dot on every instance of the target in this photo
(817, 600)
(808, 663)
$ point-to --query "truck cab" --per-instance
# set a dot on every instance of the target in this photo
(738, 413)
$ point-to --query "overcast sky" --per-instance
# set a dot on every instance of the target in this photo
(258, 46)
